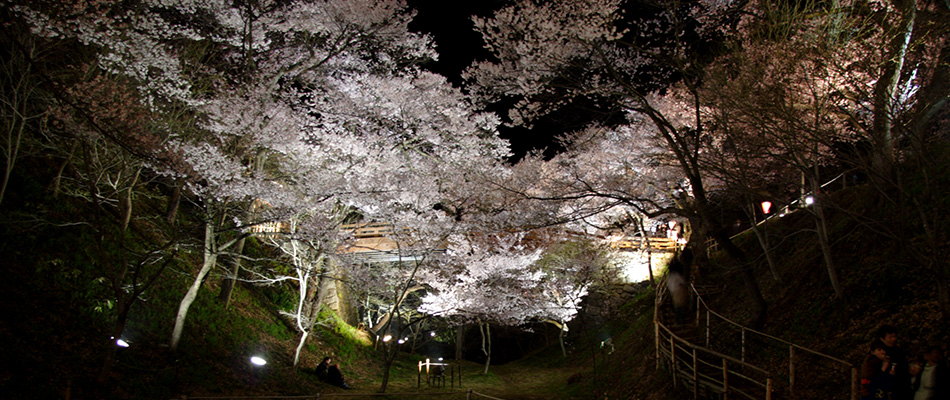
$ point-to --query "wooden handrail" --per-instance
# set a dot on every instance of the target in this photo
(681, 346)
(714, 353)
(746, 329)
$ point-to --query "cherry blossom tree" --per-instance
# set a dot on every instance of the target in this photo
(552, 54)
(492, 279)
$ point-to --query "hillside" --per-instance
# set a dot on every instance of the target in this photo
(880, 286)
(58, 316)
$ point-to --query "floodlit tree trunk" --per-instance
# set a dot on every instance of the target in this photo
(886, 91)
(649, 250)
(210, 257)
(560, 338)
(485, 329)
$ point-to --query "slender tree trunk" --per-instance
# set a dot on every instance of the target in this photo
(822, 227)
(62, 168)
(560, 338)
(762, 234)
(210, 256)
(486, 343)
(227, 287)
(649, 250)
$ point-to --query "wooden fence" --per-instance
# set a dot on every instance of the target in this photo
(703, 369)
(796, 353)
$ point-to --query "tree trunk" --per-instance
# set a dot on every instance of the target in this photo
(117, 329)
(485, 329)
(560, 338)
(210, 256)
(762, 234)
(303, 339)
(822, 227)
(886, 88)
(748, 277)
(649, 250)
(459, 341)
(227, 287)
(174, 200)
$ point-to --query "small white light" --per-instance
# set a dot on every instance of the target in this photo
(258, 361)
(121, 343)
(387, 338)
(809, 200)
(400, 341)
(440, 359)
(432, 333)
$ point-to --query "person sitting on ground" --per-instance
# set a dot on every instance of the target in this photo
(335, 377)
(877, 374)
(323, 369)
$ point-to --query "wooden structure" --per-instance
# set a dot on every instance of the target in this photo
(661, 244)
(710, 373)
(435, 373)
(374, 242)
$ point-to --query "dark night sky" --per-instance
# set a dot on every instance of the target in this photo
(459, 45)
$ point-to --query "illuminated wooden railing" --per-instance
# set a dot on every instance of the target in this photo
(639, 242)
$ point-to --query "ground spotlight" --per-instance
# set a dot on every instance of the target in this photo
(387, 338)
(258, 361)
(121, 343)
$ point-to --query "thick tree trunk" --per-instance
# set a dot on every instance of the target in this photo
(748, 277)
(459, 342)
(117, 329)
(210, 257)
(886, 92)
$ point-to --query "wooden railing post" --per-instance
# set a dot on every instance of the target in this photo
(768, 388)
(791, 370)
(656, 326)
(725, 379)
(707, 327)
(854, 383)
(695, 377)
(743, 345)
(698, 303)
(673, 358)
